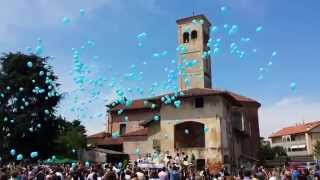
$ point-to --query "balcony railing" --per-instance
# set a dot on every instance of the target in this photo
(289, 143)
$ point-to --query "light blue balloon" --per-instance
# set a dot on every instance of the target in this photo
(13, 152)
(73, 164)
(82, 12)
(66, 20)
(259, 28)
(177, 103)
(34, 154)
(29, 64)
(19, 157)
(223, 8)
(293, 86)
(156, 118)
(120, 164)
(87, 164)
(38, 50)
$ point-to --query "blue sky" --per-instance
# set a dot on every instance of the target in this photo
(289, 27)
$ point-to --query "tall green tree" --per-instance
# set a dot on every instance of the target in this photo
(266, 152)
(316, 149)
(71, 137)
(28, 101)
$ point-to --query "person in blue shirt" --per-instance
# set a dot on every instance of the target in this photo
(295, 174)
(174, 174)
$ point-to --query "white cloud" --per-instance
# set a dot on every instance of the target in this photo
(286, 112)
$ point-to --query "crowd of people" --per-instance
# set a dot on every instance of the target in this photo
(81, 171)
(162, 168)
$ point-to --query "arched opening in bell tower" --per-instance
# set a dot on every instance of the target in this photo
(186, 37)
(189, 135)
(194, 34)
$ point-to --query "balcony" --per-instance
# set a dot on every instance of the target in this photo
(289, 143)
(298, 153)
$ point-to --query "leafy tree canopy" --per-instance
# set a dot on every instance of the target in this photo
(28, 102)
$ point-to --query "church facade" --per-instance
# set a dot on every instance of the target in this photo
(216, 127)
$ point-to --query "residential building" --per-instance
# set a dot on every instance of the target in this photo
(298, 140)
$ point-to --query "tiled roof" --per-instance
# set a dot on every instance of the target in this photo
(107, 141)
(136, 104)
(102, 138)
(140, 132)
(102, 134)
(301, 128)
(236, 98)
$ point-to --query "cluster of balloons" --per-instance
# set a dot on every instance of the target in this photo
(19, 157)
(94, 86)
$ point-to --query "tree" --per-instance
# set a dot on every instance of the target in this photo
(316, 149)
(71, 137)
(266, 152)
(28, 101)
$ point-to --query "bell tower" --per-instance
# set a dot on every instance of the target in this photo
(194, 58)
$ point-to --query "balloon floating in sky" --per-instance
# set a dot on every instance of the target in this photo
(137, 151)
(12, 152)
(206, 129)
(223, 9)
(293, 86)
(66, 20)
(82, 12)
(19, 157)
(34, 154)
(156, 118)
(233, 30)
(87, 164)
(259, 28)
(29, 64)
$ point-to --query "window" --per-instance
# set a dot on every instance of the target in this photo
(199, 102)
(123, 128)
(156, 144)
(186, 37)
(293, 138)
(194, 34)
(239, 122)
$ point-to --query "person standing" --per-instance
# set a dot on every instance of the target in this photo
(163, 175)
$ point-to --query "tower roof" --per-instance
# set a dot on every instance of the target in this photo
(190, 18)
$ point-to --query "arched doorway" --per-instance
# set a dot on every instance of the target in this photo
(189, 135)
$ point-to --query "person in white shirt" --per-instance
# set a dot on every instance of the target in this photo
(93, 175)
(163, 175)
(140, 175)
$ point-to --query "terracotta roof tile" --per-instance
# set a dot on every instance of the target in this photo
(301, 128)
(106, 141)
(139, 103)
(102, 134)
(140, 132)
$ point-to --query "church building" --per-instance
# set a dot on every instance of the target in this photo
(216, 127)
